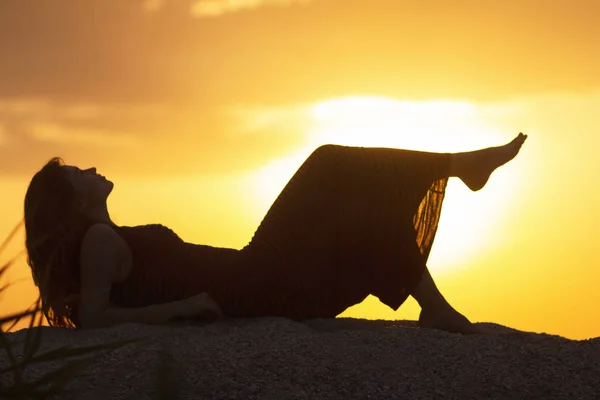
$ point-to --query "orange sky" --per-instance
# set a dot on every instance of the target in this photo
(208, 115)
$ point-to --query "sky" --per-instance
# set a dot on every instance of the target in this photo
(199, 112)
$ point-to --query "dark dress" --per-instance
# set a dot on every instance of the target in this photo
(351, 222)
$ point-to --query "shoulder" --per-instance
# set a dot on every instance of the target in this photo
(102, 235)
(102, 247)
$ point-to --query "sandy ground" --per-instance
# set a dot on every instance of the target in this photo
(275, 358)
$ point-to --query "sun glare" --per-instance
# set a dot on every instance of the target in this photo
(469, 223)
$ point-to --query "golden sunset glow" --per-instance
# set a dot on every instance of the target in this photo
(469, 222)
(200, 112)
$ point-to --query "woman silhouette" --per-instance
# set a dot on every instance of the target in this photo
(351, 222)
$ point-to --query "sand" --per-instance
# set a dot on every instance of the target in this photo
(276, 358)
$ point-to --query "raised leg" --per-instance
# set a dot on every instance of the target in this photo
(475, 167)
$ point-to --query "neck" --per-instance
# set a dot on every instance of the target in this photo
(100, 214)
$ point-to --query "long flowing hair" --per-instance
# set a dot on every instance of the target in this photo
(54, 229)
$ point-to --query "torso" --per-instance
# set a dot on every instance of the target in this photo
(156, 266)
(126, 265)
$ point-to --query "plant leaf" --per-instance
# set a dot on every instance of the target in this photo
(10, 236)
(15, 318)
(57, 380)
(6, 345)
(31, 347)
(32, 344)
(4, 268)
(166, 386)
(67, 352)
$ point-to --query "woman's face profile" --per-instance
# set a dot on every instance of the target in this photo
(91, 187)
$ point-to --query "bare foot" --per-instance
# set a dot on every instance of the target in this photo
(448, 319)
(476, 167)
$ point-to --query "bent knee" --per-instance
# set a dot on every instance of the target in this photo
(326, 151)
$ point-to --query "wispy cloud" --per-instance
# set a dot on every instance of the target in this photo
(32, 109)
(286, 120)
(51, 132)
(215, 8)
(152, 5)
(352, 47)
(147, 139)
(23, 106)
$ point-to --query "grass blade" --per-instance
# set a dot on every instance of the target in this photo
(6, 345)
(33, 338)
(57, 380)
(4, 268)
(11, 235)
(15, 318)
(68, 352)
(31, 347)
(166, 385)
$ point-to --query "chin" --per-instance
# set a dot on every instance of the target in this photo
(109, 187)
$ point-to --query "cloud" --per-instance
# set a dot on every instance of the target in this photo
(285, 119)
(36, 130)
(24, 106)
(153, 5)
(147, 140)
(37, 109)
(214, 8)
(118, 51)
(89, 79)
(45, 132)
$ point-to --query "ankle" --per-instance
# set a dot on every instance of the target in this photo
(434, 304)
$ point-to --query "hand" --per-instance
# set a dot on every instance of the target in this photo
(201, 306)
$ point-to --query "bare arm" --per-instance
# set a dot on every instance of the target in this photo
(103, 252)
(154, 314)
